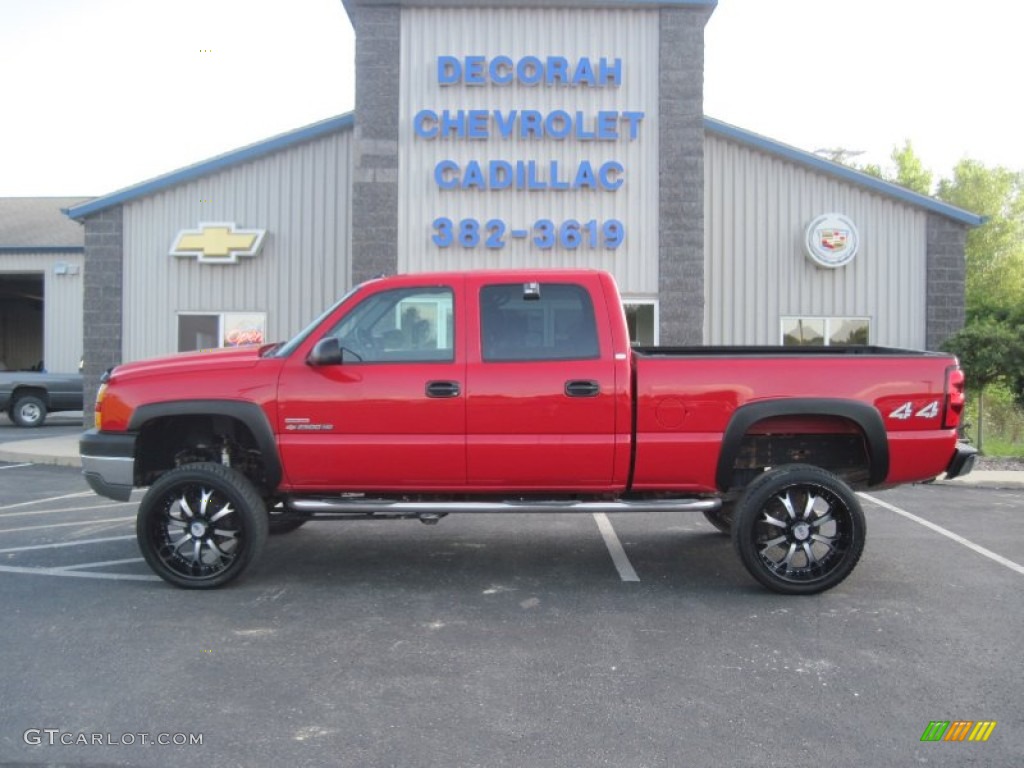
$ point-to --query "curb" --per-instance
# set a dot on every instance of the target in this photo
(18, 457)
(995, 484)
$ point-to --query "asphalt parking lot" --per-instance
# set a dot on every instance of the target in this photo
(511, 640)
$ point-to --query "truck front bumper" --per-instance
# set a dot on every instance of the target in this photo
(108, 463)
(962, 462)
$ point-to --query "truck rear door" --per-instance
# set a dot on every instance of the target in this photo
(541, 388)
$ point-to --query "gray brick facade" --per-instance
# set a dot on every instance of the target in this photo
(103, 286)
(946, 279)
(375, 163)
(681, 175)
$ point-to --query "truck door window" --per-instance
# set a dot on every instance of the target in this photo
(401, 325)
(518, 324)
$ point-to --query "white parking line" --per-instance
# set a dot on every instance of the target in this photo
(78, 574)
(948, 534)
(611, 540)
(74, 571)
(79, 543)
(43, 501)
(108, 505)
(80, 524)
(16, 466)
(100, 564)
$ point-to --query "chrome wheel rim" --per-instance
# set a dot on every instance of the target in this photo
(197, 532)
(30, 413)
(803, 533)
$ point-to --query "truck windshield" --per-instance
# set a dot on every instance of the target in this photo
(284, 350)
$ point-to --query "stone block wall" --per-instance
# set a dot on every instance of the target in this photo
(946, 279)
(103, 288)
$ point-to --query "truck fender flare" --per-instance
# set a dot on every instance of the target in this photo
(250, 414)
(865, 416)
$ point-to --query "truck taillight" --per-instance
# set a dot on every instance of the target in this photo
(954, 397)
(98, 416)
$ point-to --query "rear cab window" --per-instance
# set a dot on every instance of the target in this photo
(537, 321)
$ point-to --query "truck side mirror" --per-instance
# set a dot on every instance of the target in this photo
(326, 352)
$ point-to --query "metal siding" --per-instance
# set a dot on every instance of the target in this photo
(756, 210)
(630, 35)
(299, 195)
(62, 313)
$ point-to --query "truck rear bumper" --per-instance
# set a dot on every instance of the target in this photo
(108, 463)
(962, 462)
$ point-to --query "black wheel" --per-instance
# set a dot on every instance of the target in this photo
(282, 521)
(799, 529)
(28, 411)
(721, 518)
(201, 525)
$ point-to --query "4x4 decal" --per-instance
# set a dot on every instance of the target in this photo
(906, 411)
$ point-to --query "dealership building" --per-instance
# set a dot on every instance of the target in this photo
(555, 134)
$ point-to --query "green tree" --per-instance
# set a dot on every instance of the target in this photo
(990, 351)
(908, 170)
(995, 250)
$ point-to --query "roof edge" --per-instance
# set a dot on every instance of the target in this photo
(580, 4)
(843, 172)
(218, 163)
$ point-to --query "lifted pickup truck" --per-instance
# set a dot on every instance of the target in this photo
(417, 396)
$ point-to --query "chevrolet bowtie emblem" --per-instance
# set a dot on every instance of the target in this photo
(218, 242)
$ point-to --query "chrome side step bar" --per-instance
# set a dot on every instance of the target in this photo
(389, 508)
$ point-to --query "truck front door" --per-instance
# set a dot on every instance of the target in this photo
(391, 413)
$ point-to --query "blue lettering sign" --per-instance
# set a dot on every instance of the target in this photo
(475, 70)
(502, 70)
(446, 174)
(529, 70)
(605, 175)
(557, 71)
(478, 123)
(424, 124)
(449, 70)
(558, 124)
(633, 118)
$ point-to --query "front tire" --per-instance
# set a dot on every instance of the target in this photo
(28, 411)
(799, 530)
(201, 525)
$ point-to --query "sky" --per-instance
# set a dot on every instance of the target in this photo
(97, 95)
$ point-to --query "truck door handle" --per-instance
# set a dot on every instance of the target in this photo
(582, 388)
(443, 389)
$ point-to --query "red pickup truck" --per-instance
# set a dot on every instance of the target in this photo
(420, 395)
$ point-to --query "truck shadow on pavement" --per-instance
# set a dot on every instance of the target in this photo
(395, 555)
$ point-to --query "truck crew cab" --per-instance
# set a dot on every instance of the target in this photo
(420, 395)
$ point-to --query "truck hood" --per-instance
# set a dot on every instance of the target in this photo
(191, 362)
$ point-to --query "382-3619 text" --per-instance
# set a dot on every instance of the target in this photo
(545, 233)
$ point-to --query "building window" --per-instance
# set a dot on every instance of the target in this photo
(642, 320)
(825, 331)
(197, 331)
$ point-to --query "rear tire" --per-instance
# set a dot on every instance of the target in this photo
(201, 525)
(799, 529)
(28, 411)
